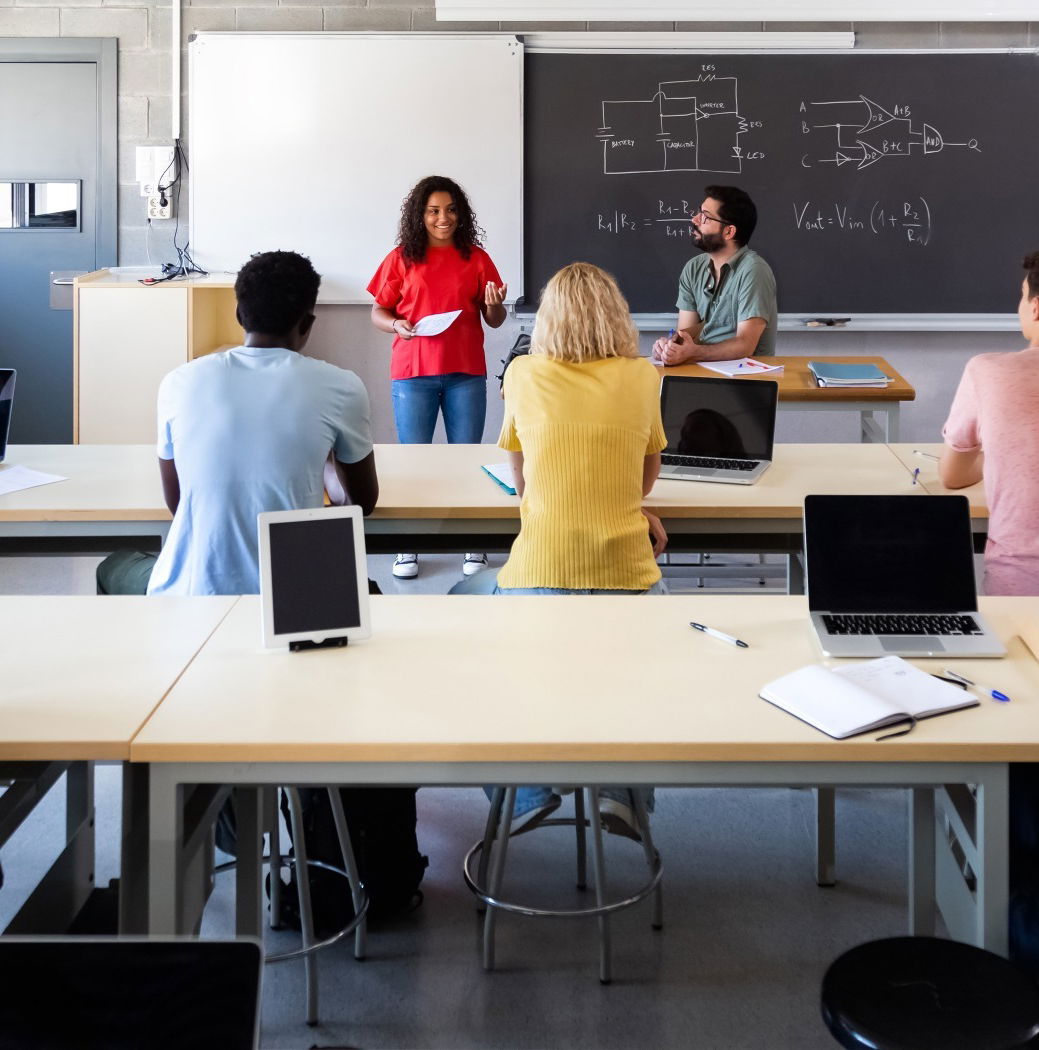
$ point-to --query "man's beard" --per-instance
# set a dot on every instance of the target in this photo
(707, 242)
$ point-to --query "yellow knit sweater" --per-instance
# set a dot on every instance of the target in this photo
(584, 431)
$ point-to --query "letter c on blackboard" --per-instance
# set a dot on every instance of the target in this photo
(804, 157)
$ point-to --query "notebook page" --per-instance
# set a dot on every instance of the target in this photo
(906, 687)
(834, 703)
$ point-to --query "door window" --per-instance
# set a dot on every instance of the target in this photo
(39, 205)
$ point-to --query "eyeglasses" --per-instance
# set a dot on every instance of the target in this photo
(704, 217)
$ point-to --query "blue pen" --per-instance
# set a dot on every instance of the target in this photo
(994, 693)
(916, 474)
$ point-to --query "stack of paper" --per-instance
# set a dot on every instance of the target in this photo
(831, 373)
(857, 698)
(745, 366)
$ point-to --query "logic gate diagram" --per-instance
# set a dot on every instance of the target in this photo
(865, 132)
(688, 125)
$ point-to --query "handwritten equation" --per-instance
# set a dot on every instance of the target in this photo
(908, 220)
(672, 219)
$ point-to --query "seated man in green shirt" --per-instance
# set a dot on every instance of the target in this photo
(727, 296)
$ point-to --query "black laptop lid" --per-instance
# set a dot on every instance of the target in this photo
(123, 994)
(719, 417)
(889, 554)
(7, 377)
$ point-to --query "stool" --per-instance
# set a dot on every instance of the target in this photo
(925, 993)
(357, 925)
(492, 849)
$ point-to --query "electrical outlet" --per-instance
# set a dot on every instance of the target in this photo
(157, 210)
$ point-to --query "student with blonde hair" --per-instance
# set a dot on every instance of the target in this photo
(583, 432)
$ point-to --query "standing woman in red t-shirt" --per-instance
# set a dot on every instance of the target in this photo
(437, 267)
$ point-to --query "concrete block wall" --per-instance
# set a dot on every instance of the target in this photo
(146, 50)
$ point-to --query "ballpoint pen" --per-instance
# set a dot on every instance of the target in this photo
(994, 693)
(721, 635)
(916, 474)
(925, 455)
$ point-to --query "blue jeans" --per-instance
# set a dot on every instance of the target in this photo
(486, 582)
(462, 399)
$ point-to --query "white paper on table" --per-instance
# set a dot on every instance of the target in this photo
(744, 366)
(16, 478)
(434, 324)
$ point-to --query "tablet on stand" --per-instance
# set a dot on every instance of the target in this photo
(313, 578)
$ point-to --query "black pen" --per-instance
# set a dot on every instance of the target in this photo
(719, 634)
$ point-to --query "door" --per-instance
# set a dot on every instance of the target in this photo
(56, 214)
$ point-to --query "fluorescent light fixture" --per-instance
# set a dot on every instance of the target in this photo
(642, 42)
(735, 11)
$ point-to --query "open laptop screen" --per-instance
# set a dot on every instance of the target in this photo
(719, 417)
(125, 994)
(889, 554)
(7, 376)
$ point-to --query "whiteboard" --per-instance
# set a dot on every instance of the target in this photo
(309, 142)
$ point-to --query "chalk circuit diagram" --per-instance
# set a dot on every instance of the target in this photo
(688, 125)
(863, 132)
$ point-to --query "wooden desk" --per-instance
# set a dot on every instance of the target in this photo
(798, 389)
(80, 677)
(112, 490)
(401, 708)
(436, 497)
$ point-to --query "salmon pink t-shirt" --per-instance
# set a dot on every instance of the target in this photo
(996, 409)
(442, 282)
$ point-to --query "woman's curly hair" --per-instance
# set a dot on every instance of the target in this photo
(412, 236)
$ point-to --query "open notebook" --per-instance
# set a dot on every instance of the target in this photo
(845, 701)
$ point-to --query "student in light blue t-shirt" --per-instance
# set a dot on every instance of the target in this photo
(256, 428)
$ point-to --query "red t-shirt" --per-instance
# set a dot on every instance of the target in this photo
(443, 281)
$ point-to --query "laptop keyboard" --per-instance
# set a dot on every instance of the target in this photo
(898, 623)
(707, 462)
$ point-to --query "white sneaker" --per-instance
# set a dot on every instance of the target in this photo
(473, 563)
(618, 818)
(405, 566)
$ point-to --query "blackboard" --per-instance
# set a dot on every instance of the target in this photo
(886, 182)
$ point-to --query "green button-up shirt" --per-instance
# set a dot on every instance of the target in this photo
(746, 288)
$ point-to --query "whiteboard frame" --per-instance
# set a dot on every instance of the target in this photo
(211, 194)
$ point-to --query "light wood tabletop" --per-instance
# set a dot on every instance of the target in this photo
(927, 463)
(81, 675)
(579, 680)
(798, 384)
(440, 483)
(105, 482)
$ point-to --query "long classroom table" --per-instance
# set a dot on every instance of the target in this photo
(799, 390)
(81, 675)
(437, 498)
(547, 694)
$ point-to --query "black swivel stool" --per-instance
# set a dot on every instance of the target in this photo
(925, 993)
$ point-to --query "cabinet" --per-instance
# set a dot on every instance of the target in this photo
(129, 335)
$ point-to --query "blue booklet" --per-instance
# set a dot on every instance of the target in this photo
(502, 474)
(833, 373)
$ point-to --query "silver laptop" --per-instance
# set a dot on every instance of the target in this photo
(894, 575)
(109, 993)
(7, 378)
(718, 429)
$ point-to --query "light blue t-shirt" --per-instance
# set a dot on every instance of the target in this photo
(249, 430)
